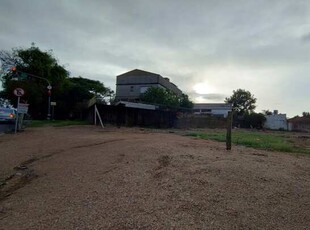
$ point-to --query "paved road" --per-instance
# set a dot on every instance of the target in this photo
(6, 127)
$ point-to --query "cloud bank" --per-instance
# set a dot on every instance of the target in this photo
(207, 48)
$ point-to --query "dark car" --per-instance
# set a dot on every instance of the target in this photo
(7, 115)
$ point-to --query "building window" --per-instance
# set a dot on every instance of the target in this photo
(131, 88)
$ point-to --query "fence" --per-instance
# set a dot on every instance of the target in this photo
(124, 116)
(194, 121)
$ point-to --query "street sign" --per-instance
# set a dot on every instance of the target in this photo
(22, 108)
(19, 92)
(53, 103)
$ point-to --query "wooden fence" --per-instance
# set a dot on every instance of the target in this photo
(124, 116)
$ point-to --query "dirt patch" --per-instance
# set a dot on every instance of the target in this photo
(300, 140)
(92, 178)
(164, 161)
(22, 177)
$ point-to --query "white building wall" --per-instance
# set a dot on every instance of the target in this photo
(215, 109)
(276, 121)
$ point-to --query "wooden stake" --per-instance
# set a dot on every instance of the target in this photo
(98, 114)
(228, 134)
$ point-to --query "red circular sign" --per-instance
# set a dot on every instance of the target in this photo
(19, 92)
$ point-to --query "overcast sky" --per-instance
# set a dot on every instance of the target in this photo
(208, 48)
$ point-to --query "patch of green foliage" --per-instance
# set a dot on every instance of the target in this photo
(161, 96)
(35, 70)
(57, 123)
(254, 139)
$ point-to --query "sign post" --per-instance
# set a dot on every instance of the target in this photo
(53, 104)
(19, 92)
(49, 92)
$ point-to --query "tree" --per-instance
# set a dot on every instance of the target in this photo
(161, 96)
(33, 67)
(185, 102)
(305, 114)
(243, 102)
(254, 120)
(79, 90)
(94, 88)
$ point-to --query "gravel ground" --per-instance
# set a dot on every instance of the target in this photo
(84, 177)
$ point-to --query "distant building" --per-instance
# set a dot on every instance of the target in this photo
(299, 124)
(213, 109)
(136, 105)
(276, 121)
(131, 85)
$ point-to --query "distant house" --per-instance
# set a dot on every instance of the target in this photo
(299, 124)
(213, 109)
(131, 85)
(276, 121)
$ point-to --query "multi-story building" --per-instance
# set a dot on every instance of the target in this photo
(131, 85)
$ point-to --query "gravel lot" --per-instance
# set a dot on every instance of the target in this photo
(84, 177)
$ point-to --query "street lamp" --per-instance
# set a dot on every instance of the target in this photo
(49, 88)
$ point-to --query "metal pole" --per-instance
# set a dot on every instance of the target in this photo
(16, 120)
(53, 112)
(49, 107)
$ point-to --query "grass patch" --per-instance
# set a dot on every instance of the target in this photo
(56, 123)
(254, 139)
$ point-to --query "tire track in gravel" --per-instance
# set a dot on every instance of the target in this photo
(24, 174)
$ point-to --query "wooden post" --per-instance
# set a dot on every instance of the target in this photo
(228, 134)
(98, 114)
(95, 120)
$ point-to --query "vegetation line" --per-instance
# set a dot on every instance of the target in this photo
(255, 139)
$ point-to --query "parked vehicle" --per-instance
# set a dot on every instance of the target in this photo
(7, 115)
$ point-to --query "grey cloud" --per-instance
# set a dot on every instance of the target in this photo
(187, 41)
(215, 97)
(306, 37)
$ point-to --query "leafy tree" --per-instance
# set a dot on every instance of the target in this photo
(243, 102)
(157, 95)
(38, 66)
(94, 88)
(8, 60)
(305, 114)
(33, 68)
(161, 96)
(185, 102)
(254, 120)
